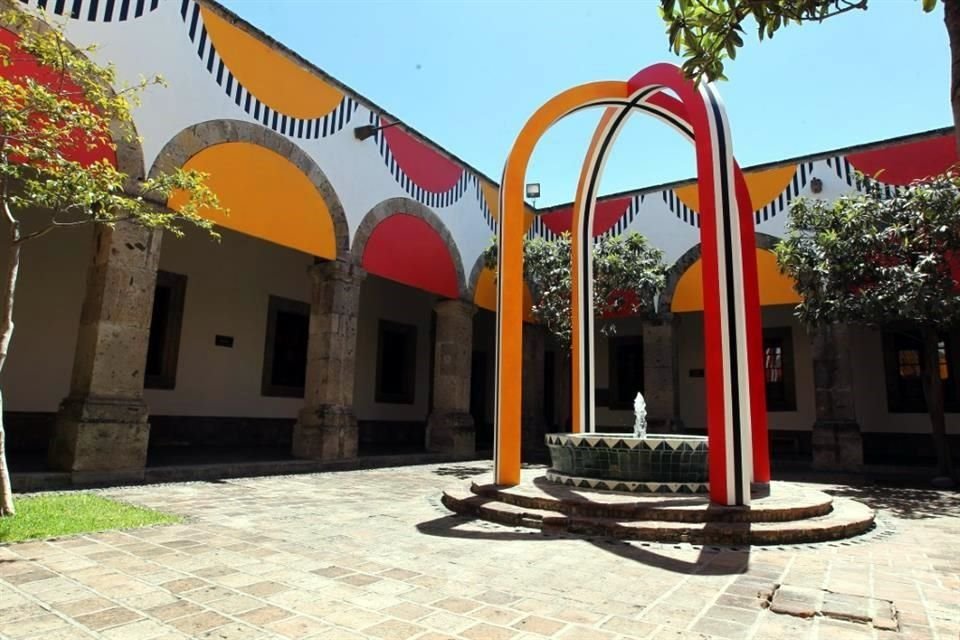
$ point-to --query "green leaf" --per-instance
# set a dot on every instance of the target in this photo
(929, 5)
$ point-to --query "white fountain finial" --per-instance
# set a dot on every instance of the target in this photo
(640, 416)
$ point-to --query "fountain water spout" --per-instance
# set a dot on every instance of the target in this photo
(639, 416)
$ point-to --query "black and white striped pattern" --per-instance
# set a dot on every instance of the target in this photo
(429, 198)
(302, 128)
(96, 10)
(485, 206)
(682, 211)
(624, 220)
(800, 178)
(845, 171)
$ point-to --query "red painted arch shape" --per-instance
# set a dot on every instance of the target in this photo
(406, 249)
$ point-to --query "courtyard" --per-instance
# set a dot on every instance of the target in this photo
(373, 554)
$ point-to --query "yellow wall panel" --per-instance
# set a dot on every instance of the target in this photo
(267, 197)
(268, 74)
(485, 295)
(775, 288)
(764, 186)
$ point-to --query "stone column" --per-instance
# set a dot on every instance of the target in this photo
(101, 429)
(450, 427)
(660, 375)
(837, 445)
(534, 425)
(326, 428)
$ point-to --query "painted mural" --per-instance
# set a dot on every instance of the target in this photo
(220, 69)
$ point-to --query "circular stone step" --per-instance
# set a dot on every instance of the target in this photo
(665, 519)
(785, 502)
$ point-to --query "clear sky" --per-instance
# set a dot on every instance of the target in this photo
(467, 74)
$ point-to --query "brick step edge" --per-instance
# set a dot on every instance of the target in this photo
(849, 519)
(587, 509)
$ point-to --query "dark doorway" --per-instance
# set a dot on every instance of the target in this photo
(478, 400)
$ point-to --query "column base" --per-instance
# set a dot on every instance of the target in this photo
(327, 432)
(451, 433)
(96, 435)
(837, 446)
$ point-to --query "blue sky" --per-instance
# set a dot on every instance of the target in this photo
(467, 74)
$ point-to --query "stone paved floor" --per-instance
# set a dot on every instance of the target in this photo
(372, 554)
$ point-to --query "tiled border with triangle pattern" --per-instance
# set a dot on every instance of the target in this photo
(628, 486)
(619, 441)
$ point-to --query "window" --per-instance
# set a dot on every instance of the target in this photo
(903, 364)
(163, 345)
(778, 369)
(285, 351)
(626, 370)
(396, 362)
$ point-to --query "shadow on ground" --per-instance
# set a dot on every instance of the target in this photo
(712, 560)
(906, 503)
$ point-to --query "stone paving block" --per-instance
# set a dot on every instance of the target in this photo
(500, 616)
(484, 631)
(36, 625)
(265, 615)
(580, 632)
(108, 618)
(394, 630)
(140, 630)
(539, 625)
(196, 623)
(628, 627)
(802, 602)
(721, 628)
(178, 609)
(411, 612)
(297, 627)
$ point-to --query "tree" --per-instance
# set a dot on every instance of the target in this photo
(873, 260)
(60, 122)
(628, 274)
(707, 32)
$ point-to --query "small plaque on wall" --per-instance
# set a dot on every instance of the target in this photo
(223, 341)
(696, 373)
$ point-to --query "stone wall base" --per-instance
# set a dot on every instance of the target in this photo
(327, 432)
(451, 433)
(100, 434)
(837, 446)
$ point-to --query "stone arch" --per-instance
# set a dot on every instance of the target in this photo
(684, 262)
(395, 206)
(194, 139)
(129, 150)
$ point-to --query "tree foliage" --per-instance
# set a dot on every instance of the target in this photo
(61, 117)
(875, 260)
(628, 274)
(708, 32)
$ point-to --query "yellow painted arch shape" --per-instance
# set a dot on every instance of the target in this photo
(267, 196)
(274, 78)
(485, 295)
(775, 287)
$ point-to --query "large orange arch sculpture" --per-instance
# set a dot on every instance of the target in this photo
(736, 414)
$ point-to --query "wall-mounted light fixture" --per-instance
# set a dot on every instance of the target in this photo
(533, 192)
(816, 185)
(368, 130)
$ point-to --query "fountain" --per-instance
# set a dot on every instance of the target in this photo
(641, 462)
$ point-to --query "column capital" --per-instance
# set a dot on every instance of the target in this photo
(340, 270)
(455, 308)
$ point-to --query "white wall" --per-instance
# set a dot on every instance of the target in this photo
(693, 392)
(386, 300)
(228, 290)
(53, 277)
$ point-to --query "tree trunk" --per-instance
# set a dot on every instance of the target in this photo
(951, 13)
(9, 287)
(933, 390)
